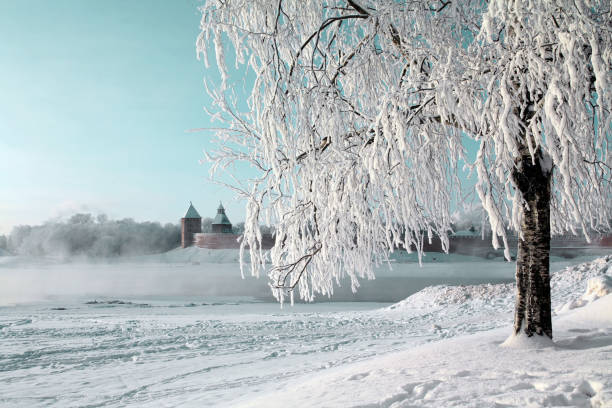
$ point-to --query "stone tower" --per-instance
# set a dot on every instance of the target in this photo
(221, 224)
(191, 224)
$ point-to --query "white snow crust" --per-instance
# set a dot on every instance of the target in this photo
(439, 347)
(473, 370)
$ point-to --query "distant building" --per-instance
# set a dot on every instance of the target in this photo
(191, 224)
(469, 242)
(222, 236)
(221, 224)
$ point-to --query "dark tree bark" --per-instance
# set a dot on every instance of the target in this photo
(533, 304)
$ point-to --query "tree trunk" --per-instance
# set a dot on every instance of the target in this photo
(533, 305)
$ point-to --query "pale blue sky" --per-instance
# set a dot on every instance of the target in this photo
(96, 97)
(96, 100)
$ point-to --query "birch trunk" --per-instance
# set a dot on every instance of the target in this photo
(533, 304)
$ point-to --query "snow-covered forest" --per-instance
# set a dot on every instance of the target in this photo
(98, 236)
(95, 236)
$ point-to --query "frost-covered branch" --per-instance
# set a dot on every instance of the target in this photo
(359, 111)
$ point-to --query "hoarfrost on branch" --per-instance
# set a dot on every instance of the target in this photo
(358, 112)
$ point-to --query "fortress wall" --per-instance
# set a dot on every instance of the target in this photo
(226, 241)
(475, 245)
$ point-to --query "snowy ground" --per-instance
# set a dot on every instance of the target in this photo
(439, 347)
(477, 370)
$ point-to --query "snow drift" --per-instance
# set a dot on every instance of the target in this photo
(470, 370)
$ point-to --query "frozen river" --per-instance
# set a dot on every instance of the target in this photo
(175, 351)
(107, 347)
(188, 351)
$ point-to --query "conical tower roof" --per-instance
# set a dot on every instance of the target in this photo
(221, 218)
(192, 212)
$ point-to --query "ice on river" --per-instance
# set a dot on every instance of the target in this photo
(129, 342)
(173, 351)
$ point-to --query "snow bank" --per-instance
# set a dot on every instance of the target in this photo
(444, 295)
(470, 370)
(598, 287)
(193, 255)
(522, 341)
(595, 277)
(598, 277)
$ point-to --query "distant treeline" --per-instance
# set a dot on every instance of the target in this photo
(95, 236)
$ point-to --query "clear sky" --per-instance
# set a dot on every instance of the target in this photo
(96, 100)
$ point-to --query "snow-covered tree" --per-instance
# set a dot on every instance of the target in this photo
(358, 115)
